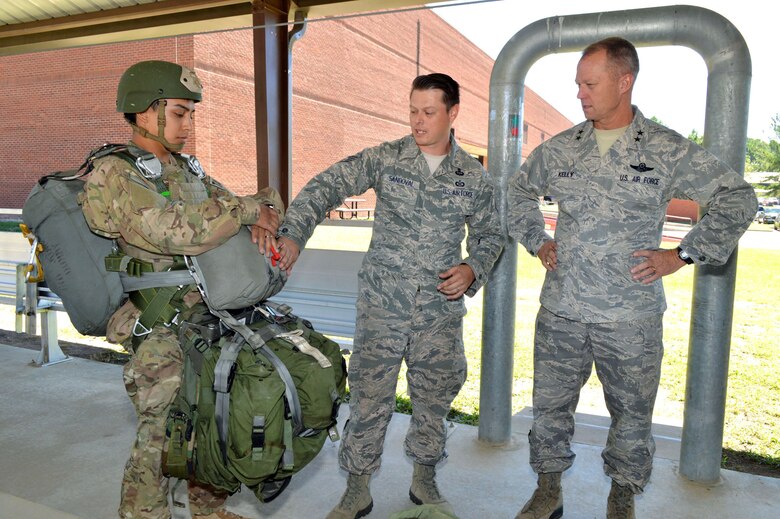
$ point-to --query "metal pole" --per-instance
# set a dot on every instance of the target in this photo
(271, 94)
(50, 353)
(495, 385)
(20, 293)
(729, 71)
(505, 143)
(31, 308)
(725, 135)
(295, 34)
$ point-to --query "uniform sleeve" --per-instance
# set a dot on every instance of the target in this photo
(525, 222)
(729, 204)
(119, 202)
(349, 177)
(485, 238)
(266, 196)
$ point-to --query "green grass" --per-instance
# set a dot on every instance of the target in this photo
(752, 421)
(9, 226)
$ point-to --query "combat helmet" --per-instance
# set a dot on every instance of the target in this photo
(150, 81)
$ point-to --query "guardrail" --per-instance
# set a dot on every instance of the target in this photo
(322, 290)
(32, 300)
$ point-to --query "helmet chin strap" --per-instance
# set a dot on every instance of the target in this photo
(160, 137)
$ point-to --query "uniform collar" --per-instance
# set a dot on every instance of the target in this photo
(411, 151)
(584, 132)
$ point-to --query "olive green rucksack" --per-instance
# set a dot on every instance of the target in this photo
(253, 412)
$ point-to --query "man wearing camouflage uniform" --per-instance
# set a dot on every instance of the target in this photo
(410, 303)
(602, 300)
(154, 218)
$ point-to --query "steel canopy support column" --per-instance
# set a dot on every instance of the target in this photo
(271, 94)
(505, 141)
(709, 347)
(725, 133)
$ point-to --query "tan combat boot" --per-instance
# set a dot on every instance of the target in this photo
(424, 490)
(356, 501)
(547, 501)
(219, 514)
(620, 504)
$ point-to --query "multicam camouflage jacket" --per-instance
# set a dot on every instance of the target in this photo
(612, 206)
(191, 217)
(420, 221)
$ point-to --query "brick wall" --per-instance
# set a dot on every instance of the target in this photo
(58, 105)
(351, 82)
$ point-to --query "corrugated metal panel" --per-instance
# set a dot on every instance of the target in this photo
(24, 11)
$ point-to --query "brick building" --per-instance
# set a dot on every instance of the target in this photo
(351, 82)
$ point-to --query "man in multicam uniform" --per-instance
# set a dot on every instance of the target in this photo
(410, 303)
(154, 221)
(602, 300)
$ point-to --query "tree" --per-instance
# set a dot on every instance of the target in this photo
(756, 155)
(770, 159)
(695, 137)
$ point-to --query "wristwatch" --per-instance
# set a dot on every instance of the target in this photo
(684, 256)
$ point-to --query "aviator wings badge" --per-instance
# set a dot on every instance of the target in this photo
(641, 167)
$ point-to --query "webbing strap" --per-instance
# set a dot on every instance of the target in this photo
(155, 279)
(223, 379)
(258, 437)
(288, 457)
(257, 343)
(155, 305)
(295, 338)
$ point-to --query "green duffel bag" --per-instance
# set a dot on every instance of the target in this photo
(253, 415)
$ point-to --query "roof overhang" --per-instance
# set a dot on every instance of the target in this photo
(158, 19)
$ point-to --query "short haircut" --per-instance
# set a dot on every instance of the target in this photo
(131, 118)
(443, 82)
(621, 53)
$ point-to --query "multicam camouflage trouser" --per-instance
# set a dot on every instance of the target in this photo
(152, 378)
(627, 356)
(436, 370)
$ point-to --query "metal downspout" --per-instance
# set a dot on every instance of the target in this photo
(725, 133)
(296, 33)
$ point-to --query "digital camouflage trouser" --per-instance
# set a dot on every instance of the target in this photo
(436, 370)
(152, 378)
(627, 356)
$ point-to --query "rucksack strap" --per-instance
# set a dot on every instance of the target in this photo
(224, 371)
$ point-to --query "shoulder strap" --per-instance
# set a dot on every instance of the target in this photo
(86, 166)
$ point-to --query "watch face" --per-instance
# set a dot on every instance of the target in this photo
(684, 255)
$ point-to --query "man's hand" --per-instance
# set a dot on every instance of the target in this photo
(658, 263)
(268, 219)
(458, 279)
(264, 230)
(548, 255)
(288, 252)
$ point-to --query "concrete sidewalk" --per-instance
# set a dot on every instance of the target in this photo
(66, 430)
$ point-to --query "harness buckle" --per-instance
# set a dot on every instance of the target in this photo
(146, 331)
(149, 166)
(174, 321)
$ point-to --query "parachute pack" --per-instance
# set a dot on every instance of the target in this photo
(256, 405)
(73, 258)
